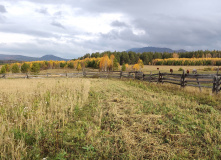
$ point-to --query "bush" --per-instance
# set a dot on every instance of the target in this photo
(123, 67)
(180, 69)
(7, 67)
(207, 69)
(62, 65)
(3, 70)
(15, 68)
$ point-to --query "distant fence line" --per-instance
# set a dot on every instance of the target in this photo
(212, 81)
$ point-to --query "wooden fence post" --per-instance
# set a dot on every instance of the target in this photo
(160, 78)
(121, 74)
(219, 83)
(84, 73)
(150, 76)
(27, 75)
(183, 79)
(214, 84)
(198, 84)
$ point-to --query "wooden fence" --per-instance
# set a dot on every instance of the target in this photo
(48, 75)
(212, 81)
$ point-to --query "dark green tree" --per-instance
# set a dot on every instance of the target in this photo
(124, 58)
(35, 68)
(123, 67)
(115, 67)
(25, 68)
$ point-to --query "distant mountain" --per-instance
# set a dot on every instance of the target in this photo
(26, 58)
(154, 49)
(52, 57)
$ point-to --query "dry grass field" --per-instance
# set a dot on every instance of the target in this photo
(200, 69)
(107, 119)
(66, 70)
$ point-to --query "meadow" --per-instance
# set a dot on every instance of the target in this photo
(79, 118)
(147, 69)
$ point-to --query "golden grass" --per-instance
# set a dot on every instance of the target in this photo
(33, 104)
(153, 68)
(64, 70)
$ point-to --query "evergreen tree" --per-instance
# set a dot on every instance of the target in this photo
(35, 68)
(25, 68)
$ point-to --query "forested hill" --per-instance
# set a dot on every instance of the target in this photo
(154, 49)
(132, 57)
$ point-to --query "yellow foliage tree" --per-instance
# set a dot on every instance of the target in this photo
(136, 67)
(104, 63)
(175, 55)
(112, 62)
(140, 62)
(79, 67)
(127, 66)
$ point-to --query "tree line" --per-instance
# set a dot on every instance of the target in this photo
(188, 61)
(105, 63)
(148, 57)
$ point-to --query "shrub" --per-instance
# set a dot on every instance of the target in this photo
(3, 70)
(15, 68)
(180, 69)
(7, 67)
(123, 67)
(207, 69)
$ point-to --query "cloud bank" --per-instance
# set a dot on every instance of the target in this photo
(71, 28)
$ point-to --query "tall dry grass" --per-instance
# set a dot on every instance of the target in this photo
(30, 107)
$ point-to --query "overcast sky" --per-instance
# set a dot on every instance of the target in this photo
(72, 28)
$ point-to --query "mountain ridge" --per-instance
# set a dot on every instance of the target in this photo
(5, 57)
(155, 49)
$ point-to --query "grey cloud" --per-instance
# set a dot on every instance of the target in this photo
(126, 35)
(191, 33)
(57, 24)
(59, 13)
(2, 19)
(42, 11)
(2, 9)
(115, 40)
(32, 32)
(118, 24)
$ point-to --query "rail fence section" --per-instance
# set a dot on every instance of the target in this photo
(212, 81)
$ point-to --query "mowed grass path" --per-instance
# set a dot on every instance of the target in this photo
(106, 119)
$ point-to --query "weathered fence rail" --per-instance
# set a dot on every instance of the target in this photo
(195, 80)
(212, 81)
